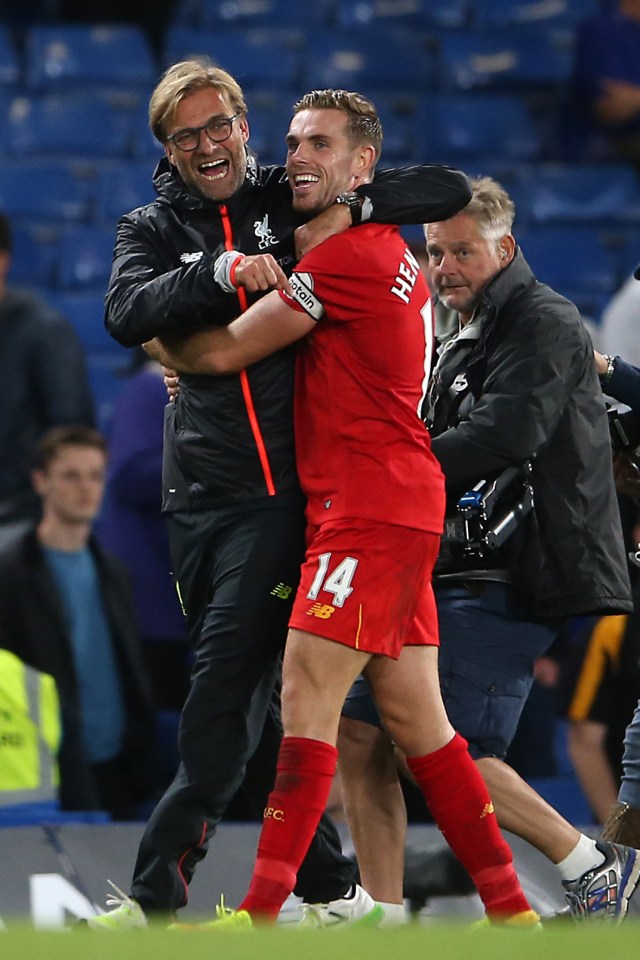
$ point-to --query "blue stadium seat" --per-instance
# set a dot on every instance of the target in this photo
(368, 61)
(465, 125)
(85, 254)
(397, 111)
(122, 186)
(107, 372)
(246, 14)
(571, 257)
(33, 255)
(74, 56)
(251, 56)
(68, 125)
(9, 62)
(604, 193)
(413, 14)
(85, 311)
(526, 59)
(532, 13)
(44, 190)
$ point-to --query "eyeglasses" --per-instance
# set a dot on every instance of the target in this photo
(218, 130)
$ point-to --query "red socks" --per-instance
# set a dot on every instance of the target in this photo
(460, 804)
(296, 803)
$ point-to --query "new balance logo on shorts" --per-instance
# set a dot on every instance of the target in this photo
(282, 591)
(321, 610)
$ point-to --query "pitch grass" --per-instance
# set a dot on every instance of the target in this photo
(431, 942)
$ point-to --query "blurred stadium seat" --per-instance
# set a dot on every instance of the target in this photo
(570, 258)
(251, 56)
(107, 371)
(368, 61)
(85, 254)
(32, 255)
(412, 14)
(246, 14)
(532, 13)
(44, 189)
(601, 194)
(68, 57)
(122, 186)
(456, 127)
(85, 311)
(9, 62)
(511, 59)
(72, 125)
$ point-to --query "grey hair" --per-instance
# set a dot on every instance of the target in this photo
(491, 207)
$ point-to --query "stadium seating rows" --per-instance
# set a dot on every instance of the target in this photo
(454, 83)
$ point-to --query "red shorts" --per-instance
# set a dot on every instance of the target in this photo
(368, 585)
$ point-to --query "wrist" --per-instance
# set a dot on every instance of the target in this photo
(354, 203)
(610, 368)
(224, 270)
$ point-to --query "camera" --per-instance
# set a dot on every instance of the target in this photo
(624, 430)
(487, 515)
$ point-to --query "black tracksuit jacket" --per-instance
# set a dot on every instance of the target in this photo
(230, 439)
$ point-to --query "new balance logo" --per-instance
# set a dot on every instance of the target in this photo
(321, 610)
(486, 810)
(282, 591)
(191, 257)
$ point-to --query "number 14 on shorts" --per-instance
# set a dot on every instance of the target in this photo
(338, 582)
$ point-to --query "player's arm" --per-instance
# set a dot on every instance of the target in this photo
(265, 327)
(420, 194)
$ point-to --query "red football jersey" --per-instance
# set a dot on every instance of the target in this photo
(362, 450)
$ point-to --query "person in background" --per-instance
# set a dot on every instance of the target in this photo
(46, 384)
(66, 610)
(621, 381)
(607, 77)
(131, 527)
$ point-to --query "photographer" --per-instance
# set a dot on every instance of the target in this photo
(514, 382)
(621, 381)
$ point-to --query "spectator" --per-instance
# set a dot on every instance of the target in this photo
(218, 236)
(29, 734)
(131, 526)
(46, 384)
(607, 76)
(514, 382)
(619, 331)
(65, 609)
(601, 684)
(621, 380)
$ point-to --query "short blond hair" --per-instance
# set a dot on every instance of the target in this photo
(184, 78)
(491, 207)
(364, 122)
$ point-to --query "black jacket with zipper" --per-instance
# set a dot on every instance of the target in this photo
(528, 389)
(230, 439)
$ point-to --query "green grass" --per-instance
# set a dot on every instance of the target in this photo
(430, 942)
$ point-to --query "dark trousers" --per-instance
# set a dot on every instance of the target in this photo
(237, 571)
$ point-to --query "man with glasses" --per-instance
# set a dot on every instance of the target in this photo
(220, 234)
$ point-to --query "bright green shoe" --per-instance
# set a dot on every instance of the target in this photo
(526, 920)
(126, 915)
(226, 919)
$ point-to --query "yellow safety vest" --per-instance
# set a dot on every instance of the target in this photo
(30, 733)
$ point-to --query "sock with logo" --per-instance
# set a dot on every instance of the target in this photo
(460, 804)
(303, 780)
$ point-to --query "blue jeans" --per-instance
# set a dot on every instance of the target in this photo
(488, 644)
(630, 786)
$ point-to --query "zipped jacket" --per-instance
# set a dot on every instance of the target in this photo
(528, 390)
(230, 439)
